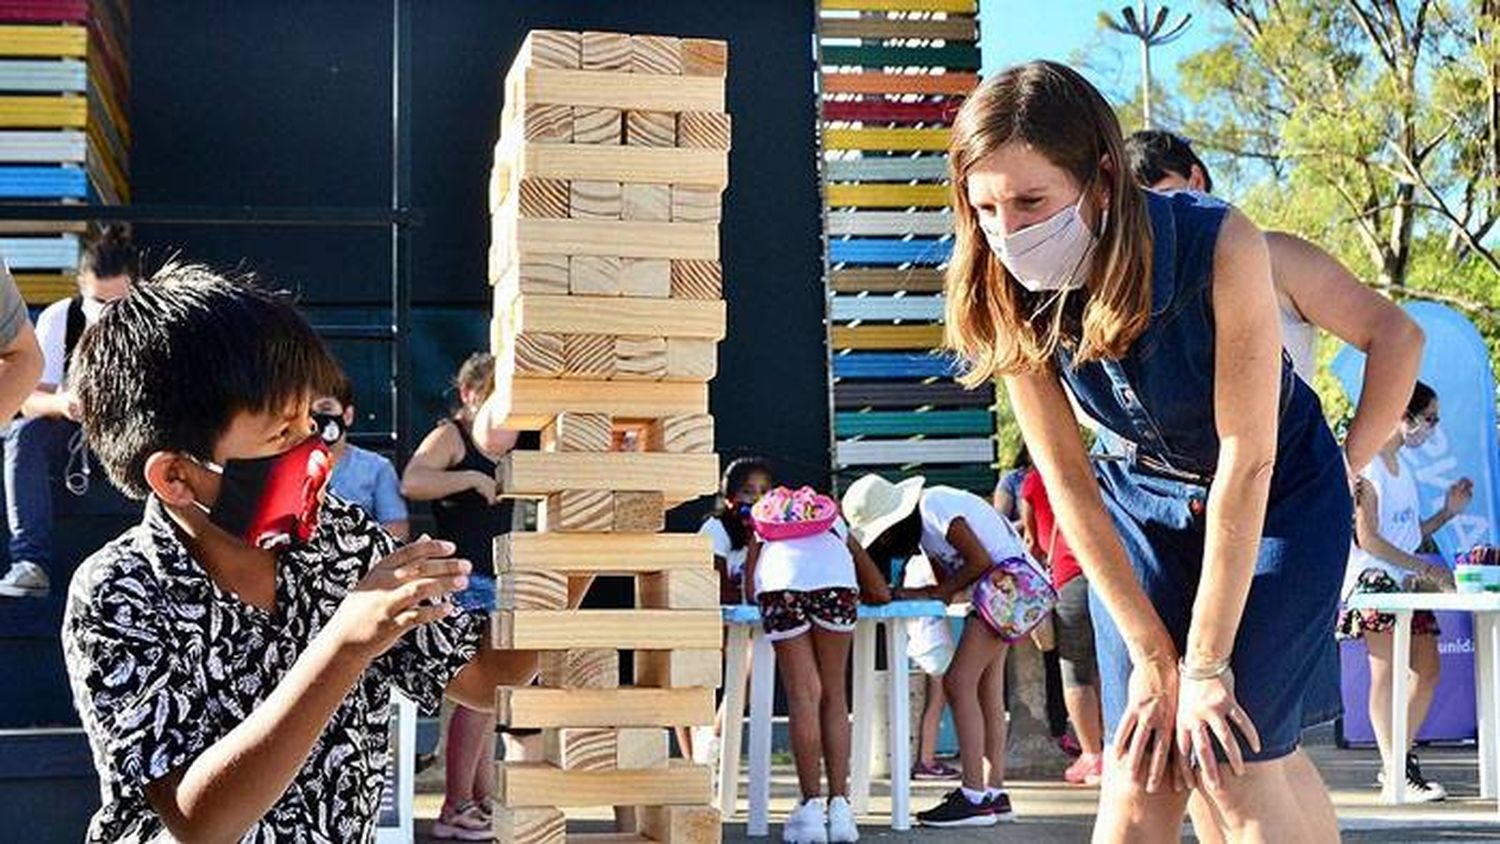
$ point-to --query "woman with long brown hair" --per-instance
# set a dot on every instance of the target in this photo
(1214, 543)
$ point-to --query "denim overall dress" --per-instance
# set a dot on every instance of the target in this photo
(1157, 453)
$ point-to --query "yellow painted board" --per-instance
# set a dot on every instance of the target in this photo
(881, 139)
(611, 89)
(872, 337)
(607, 553)
(533, 403)
(543, 630)
(541, 784)
(70, 40)
(45, 288)
(888, 196)
(963, 7)
(617, 315)
(63, 112)
(679, 477)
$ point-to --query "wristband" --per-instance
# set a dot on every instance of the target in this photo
(1202, 673)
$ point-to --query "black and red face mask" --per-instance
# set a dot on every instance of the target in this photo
(273, 501)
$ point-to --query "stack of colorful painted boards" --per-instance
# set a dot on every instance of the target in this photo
(605, 196)
(893, 72)
(64, 85)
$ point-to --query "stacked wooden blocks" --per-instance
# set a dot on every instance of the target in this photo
(894, 72)
(605, 196)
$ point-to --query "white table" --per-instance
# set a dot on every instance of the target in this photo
(1486, 610)
(745, 635)
(397, 811)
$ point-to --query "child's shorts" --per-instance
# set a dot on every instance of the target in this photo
(787, 614)
(1353, 624)
(929, 643)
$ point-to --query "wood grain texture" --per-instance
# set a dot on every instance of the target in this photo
(582, 315)
(692, 434)
(646, 278)
(540, 708)
(594, 200)
(578, 510)
(682, 824)
(531, 784)
(588, 356)
(604, 553)
(704, 57)
(697, 279)
(544, 198)
(651, 203)
(679, 669)
(655, 54)
(548, 123)
(680, 476)
(650, 129)
(580, 668)
(704, 130)
(595, 275)
(540, 355)
(578, 432)
(543, 274)
(597, 125)
(678, 590)
(530, 826)
(580, 748)
(694, 204)
(532, 403)
(605, 51)
(550, 48)
(624, 629)
(640, 358)
(690, 359)
(611, 89)
(640, 512)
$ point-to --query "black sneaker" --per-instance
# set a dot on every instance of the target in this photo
(1418, 788)
(956, 810)
(999, 806)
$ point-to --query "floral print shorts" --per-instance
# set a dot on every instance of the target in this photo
(1355, 623)
(787, 614)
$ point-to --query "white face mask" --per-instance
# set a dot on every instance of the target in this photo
(1050, 255)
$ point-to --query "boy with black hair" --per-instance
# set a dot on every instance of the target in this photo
(46, 443)
(232, 656)
(359, 476)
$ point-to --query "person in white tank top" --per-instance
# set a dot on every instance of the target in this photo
(1314, 291)
(1389, 528)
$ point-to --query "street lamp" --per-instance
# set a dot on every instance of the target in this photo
(1152, 31)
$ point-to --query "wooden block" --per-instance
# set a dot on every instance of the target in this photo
(682, 824)
(540, 784)
(578, 432)
(690, 359)
(588, 355)
(625, 629)
(596, 125)
(679, 476)
(678, 590)
(626, 239)
(641, 748)
(578, 510)
(659, 54)
(704, 130)
(641, 165)
(594, 200)
(697, 280)
(646, 278)
(550, 48)
(679, 669)
(547, 124)
(531, 590)
(603, 553)
(704, 57)
(586, 315)
(595, 275)
(534, 707)
(544, 198)
(580, 668)
(682, 435)
(530, 826)
(605, 51)
(650, 203)
(694, 204)
(539, 354)
(640, 512)
(580, 748)
(531, 403)
(619, 90)
(544, 274)
(650, 129)
(640, 358)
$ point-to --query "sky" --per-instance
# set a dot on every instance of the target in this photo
(1013, 31)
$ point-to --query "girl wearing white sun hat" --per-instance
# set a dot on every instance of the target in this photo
(968, 543)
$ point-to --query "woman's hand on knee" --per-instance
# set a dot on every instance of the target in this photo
(1143, 741)
(1207, 711)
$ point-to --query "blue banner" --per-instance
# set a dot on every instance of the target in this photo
(1455, 363)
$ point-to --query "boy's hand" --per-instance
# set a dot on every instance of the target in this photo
(389, 601)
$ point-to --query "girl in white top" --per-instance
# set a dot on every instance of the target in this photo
(963, 536)
(1389, 528)
(808, 592)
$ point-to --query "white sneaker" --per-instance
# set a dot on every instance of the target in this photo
(841, 826)
(807, 824)
(25, 580)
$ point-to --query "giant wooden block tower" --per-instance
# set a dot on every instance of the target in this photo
(605, 196)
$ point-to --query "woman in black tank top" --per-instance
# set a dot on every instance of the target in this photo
(450, 471)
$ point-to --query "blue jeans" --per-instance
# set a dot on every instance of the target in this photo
(36, 450)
